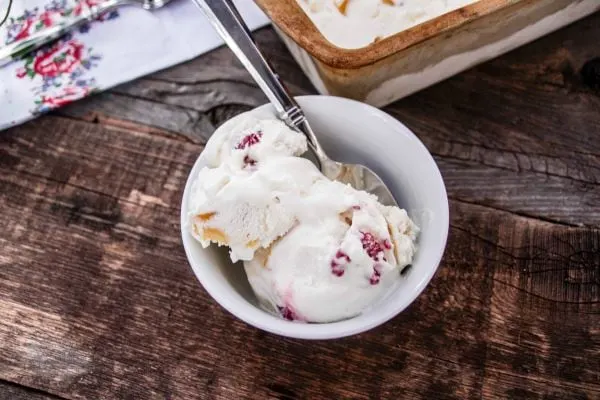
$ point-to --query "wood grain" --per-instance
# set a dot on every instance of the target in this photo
(11, 391)
(98, 302)
(93, 238)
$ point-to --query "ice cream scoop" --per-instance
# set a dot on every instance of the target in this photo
(250, 139)
(344, 254)
(250, 197)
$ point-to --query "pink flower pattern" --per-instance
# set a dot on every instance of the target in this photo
(62, 70)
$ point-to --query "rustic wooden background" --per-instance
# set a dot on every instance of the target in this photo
(97, 300)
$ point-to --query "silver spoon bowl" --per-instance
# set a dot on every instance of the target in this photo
(231, 27)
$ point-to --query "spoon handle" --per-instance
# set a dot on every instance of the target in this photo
(228, 22)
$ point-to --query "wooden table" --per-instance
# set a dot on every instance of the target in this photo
(97, 300)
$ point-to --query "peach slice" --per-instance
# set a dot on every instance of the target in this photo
(215, 235)
(342, 5)
(206, 216)
(346, 217)
(252, 244)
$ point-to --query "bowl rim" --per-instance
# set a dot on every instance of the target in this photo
(321, 331)
(289, 17)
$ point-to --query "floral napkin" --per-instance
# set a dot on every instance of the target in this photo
(117, 47)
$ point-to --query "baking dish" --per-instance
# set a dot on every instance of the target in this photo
(408, 61)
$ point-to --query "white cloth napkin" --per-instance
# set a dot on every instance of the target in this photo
(119, 47)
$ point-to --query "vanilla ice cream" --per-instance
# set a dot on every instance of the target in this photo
(314, 250)
(248, 140)
(245, 201)
(346, 251)
(249, 208)
(358, 23)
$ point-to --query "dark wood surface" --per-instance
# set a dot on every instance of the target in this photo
(97, 300)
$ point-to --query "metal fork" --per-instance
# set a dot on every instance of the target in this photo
(20, 48)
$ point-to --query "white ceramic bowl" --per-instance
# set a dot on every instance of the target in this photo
(353, 132)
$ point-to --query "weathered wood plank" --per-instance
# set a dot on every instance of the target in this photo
(528, 193)
(99, 301)
(124, 111)
(144, 175)
(11, 391)
(545, 294)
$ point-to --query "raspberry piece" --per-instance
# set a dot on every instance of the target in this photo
(387, 244)
(249, 161)
(341, 254)
(337, 269)
(376, 276)
(287, 313)
(372, 246)
(249, 140)
(339, 262)
(376, 250)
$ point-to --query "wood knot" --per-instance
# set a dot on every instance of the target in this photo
(590, 73)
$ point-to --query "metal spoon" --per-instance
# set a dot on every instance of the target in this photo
(22, 47)
(229, 24)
